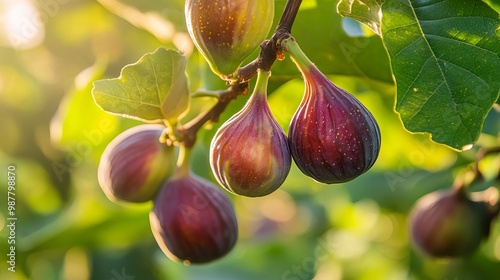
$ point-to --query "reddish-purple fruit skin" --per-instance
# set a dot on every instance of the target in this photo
(135, 164)
(333, 138)
(192, 221)
(249, 154)
(446, 223)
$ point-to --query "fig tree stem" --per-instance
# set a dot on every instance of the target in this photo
(271, 48)
(481, 154)
(190, 129)
(208, 93)
(288, 16)
(488, 151)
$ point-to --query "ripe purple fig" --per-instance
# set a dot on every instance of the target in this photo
(192, 221)
(333, 138)
(447, 223)
(226, 32)
(249, 154)
(135, 164)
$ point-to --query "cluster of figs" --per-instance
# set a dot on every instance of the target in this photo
(332, 138)
(191, 220)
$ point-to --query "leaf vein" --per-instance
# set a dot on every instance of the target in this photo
(127, 100)
(465, 70)
(400, 27)
(460, 42)
(407, 46)
(136, 86)
(156, 79)
(408, 89)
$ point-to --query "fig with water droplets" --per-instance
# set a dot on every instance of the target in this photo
(192, 221)
(333, 138)
(135, 164)
(249, 154)
(447, 223)
(226, 32)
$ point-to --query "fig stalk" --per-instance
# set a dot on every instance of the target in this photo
(183, 162)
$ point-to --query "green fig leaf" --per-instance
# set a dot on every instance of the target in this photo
(445, 59)
(333, 51)
(152, 89)
(367, 12)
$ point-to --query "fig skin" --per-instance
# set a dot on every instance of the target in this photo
(333, 138)
(135, 164)
(192, 221)
(446, 223)
(226, 32)
(249, 153)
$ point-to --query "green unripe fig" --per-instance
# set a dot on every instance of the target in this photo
(227, 31)
(135, 164)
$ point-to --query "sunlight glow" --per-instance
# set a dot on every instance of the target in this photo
(183, 42)
(21, 25)
(467, 147)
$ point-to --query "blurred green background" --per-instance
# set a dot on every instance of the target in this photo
(52, 131)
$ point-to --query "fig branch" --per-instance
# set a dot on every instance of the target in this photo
(189, 130)
(475, 173)
(484, 152)
(492, 194)
(270, 50)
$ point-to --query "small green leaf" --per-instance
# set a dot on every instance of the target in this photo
(445, 58)
(365, 11)
(152, 89)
